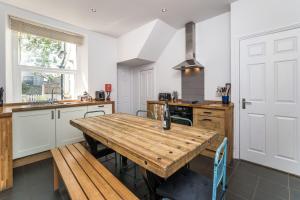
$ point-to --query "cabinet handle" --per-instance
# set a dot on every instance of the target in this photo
(52, 114)
(101, 106)
(207, 112)
(58, 114)
(206, 120)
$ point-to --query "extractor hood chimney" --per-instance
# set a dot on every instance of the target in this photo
(190, 61)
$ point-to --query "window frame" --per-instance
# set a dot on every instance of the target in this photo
(17, 69)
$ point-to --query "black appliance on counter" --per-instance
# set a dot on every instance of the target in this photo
(1, 96)
(183, 112)
(100, 96)
(164, 96)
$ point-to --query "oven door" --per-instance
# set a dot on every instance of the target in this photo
(181, 115)
(180, 120)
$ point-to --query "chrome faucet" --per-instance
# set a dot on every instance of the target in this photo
(52, 96)
(51, 101)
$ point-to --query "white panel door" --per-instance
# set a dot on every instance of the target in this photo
(146, 88)
(270, 83)
(65, 132)
(33, 132)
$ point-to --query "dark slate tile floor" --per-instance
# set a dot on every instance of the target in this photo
(247, 181)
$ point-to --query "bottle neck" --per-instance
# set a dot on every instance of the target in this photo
(166, 107)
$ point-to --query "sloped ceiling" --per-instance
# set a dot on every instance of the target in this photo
(145, 44)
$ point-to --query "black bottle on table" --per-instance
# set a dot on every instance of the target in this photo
(166, 117)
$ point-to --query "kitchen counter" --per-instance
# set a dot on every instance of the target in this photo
(206, 104)
(8, 109)
(55, 130)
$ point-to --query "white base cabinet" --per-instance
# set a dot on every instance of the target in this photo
(65, 132)
(33, 132)
(42, 130)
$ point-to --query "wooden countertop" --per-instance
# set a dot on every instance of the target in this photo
(143, 140)
(205, 104)
(8, 109)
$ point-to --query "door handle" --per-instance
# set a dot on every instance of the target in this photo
(244, 102)
(58, 114)
(52, 114)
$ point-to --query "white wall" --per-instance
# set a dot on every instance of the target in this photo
(157, 41)
(253, 16)
(166, 78)
(102, 59)
(213, 51)
(250, 17)
(97, 54)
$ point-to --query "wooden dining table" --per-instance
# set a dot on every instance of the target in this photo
(146, 143)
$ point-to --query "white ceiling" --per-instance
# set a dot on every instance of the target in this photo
(116, 17)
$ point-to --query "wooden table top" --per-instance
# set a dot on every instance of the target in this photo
(145, 142)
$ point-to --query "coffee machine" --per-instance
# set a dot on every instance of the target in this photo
(100, 95)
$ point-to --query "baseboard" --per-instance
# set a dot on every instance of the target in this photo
(31, 159)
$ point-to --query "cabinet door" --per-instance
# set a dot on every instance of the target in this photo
(65, 132)
(107, 108)
(33, 132)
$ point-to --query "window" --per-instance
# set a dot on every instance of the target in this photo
(43, 66)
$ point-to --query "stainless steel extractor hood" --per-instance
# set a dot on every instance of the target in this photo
(190, 61)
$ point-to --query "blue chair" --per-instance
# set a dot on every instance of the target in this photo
(189, 185)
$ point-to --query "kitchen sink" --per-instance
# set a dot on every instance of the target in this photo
(54, 103)
(65, 103)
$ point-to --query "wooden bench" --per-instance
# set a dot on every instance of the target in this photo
(85, 177)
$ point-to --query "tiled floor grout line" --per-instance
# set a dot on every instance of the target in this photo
(238, 195)
(255, 189)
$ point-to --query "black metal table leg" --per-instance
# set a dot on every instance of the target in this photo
(152, 181)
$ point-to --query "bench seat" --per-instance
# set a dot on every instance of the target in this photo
(85, 177)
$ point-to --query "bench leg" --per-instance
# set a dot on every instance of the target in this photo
(55, 177)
